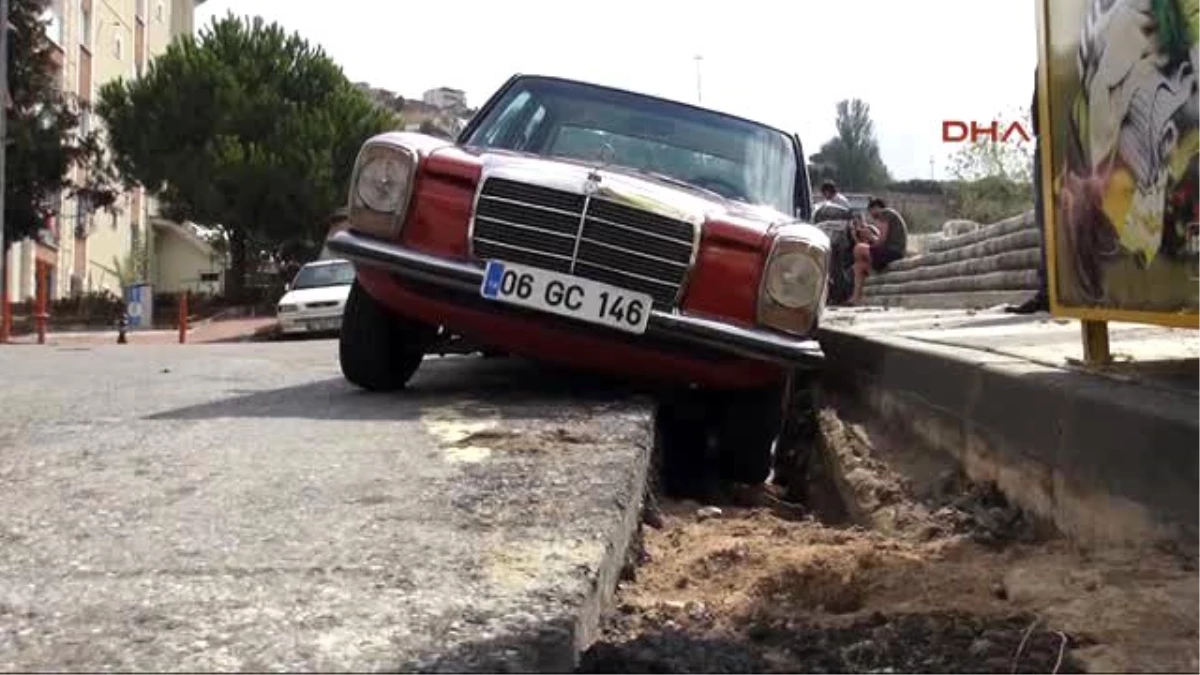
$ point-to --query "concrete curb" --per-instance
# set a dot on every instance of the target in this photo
(555, 641)
(1105, 461)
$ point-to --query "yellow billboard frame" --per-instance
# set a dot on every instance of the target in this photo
(1094, 320)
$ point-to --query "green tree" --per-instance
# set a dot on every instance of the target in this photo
(989, 199)
(852, 156)
(248, 129)
(44, 136)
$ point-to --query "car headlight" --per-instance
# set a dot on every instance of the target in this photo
(794, 280)
(383, 183)
(283, 309)
(382, 188)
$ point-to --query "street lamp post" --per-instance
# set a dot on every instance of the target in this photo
(698, 58)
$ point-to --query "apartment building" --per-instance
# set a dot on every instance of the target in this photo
(99, 41)
(445, 98)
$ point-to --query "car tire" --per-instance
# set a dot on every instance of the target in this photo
(799, 437)
(747, 424)
(378, 350)
(683, 452)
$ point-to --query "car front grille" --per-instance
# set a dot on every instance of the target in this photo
(612, 242)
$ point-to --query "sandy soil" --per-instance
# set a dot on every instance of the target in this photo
(936, 576)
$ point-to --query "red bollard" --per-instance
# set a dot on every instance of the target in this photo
(183, 317)
(42, 315)
(5, 309)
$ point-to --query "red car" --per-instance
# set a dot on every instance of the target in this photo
(600, 229)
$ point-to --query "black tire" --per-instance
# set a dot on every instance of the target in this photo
(799, 436)
(747, 423)
(685, 462)
(378, 350)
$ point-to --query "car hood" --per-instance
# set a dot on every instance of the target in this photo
(746, 223)
(304, 296)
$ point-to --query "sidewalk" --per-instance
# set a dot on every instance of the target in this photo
(1140, 352)
(207, 332)
(1107, 454)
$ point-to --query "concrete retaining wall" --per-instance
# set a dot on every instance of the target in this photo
(1107, 462)
(968, 266)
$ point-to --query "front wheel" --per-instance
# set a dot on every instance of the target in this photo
(714, 437)
(747, 424)
(378, 350)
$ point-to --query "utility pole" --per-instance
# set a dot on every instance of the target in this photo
(698, 58)
(4, 95)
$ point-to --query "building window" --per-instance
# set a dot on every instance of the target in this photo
(85, 24)
(160, 12)
(118, 45)
(53, 16)
(83, 214)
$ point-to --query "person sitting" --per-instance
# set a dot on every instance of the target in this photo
(878, 243)
(829, 190)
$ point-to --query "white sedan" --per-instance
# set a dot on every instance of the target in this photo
(316, 297)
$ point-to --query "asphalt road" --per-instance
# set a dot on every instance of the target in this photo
(240, 507)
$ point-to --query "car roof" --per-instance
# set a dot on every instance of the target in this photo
(586, 83)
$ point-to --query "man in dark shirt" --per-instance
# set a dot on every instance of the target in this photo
(878, 246)
(1040, 302)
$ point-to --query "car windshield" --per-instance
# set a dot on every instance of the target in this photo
(329, 274)
(738, 159)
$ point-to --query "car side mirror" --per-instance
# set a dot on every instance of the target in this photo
(287, 287)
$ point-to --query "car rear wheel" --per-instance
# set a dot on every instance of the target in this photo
(378, 350)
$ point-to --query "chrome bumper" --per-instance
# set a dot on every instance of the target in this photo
(453, 275)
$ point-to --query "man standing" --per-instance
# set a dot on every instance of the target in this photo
(1040, 302)
(829, 191)
(878, 246)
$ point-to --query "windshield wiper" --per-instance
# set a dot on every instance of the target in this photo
(622, 168)
(674, 181)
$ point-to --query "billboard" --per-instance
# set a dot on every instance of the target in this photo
(1118, 122)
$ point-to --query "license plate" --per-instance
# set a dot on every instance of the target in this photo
(566, 295)
(323, 324)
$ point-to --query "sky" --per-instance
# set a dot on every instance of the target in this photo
(786, 63)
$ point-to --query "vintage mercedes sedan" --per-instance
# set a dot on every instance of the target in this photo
(605, 230)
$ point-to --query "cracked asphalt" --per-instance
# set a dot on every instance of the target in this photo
(240, 507)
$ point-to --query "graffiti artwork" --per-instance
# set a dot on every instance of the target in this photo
(1120, 85)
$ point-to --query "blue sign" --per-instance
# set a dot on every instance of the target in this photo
(138, 305)
(492, 278)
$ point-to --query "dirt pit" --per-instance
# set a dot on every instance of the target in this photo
(931, 574)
